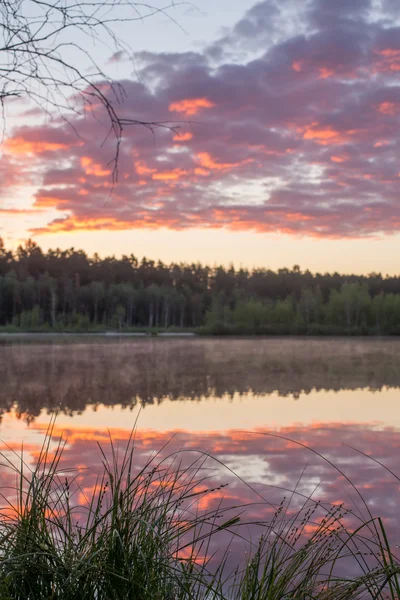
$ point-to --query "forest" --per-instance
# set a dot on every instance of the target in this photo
(67, 290)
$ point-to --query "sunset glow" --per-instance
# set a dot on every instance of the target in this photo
(200, 299)
(303, 123)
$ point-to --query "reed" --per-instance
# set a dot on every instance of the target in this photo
(141, 534)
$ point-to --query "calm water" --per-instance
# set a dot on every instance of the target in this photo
(245, 401)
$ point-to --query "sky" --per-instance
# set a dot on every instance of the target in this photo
(283, 149)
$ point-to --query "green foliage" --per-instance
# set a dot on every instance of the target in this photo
(69, 291)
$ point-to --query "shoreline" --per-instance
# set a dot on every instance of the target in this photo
(192, 334)
(110, 334)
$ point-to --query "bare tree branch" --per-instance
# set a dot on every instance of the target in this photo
(39, 44)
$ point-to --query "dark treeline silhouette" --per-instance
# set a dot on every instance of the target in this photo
(68, 290)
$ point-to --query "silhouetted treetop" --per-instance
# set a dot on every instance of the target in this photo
(67, 289)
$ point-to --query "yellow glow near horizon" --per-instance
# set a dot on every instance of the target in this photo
(247, 249)
(245, 412)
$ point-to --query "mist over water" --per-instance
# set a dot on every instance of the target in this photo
(268, 409)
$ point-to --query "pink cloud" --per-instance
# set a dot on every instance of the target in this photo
(299, 138)
(190, 106)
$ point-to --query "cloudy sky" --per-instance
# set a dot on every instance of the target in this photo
(285, 149)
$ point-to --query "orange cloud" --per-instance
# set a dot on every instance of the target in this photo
(208, 162)
(201, 171)
(391, 52)
(169, 175)
(142, 168)
(92, 168)
(144, 219)
(388, 108)
(183, 137)
(389, 60)
(20, 146)
(324, 73)
(297, 65)
(295, 216)
(190, 106)
(338, 159)
(86, 224)
(323, 135)
(45, 201)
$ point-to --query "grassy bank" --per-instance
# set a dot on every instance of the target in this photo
(143, 533)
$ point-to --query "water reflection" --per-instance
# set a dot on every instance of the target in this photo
(260, 468)
(229, 398)
(72, 375)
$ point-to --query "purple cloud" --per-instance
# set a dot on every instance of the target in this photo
(276, 128)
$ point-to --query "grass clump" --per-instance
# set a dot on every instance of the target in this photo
(141, 534)
(131, 538)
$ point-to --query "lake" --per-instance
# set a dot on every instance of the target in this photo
(266, 409)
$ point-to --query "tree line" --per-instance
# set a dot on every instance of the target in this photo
(67, 290)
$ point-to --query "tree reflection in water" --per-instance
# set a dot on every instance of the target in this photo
(77, 377)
